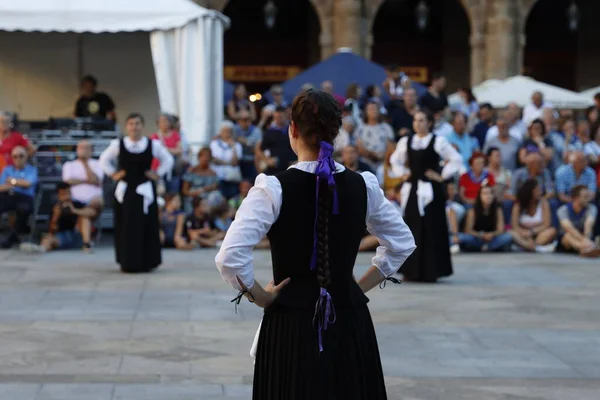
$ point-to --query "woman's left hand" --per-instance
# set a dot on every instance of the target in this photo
(434, 176)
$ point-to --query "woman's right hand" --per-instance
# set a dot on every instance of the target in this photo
(264, 297)
(117, 176)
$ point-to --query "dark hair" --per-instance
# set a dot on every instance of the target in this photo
(169, 196)
(89, 79)
(491, 150)
(317, 118)
(428, 117)
(370, 91)
(597, 96)
(470, 97)
(455, 114)
(352, 90)
(576, 191)
(478, 207)
(280, 109)
(134, 115)
(204, 150)
(391, 67)
(197, 202)
(525, 193)
(366, 119)
(437, 75)
(62, 186)
(588, 111)
(539, 121)
(486, 105)
(594, 129)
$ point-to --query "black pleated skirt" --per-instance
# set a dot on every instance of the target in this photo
(289, 366)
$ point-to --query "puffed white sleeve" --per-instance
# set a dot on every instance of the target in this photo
(398, 158)
(164, 157)
(108, 158)
(385, 222)
(446, 151)
(259, 210)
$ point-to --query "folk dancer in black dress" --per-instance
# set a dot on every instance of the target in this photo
(137, 241)
(316, 340)
(417, 159)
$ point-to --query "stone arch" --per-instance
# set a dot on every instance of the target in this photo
(443, 46)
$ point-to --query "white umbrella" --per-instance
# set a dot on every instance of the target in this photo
(519, 89)
(590, 93)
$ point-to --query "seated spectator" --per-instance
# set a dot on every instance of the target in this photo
(577, 220)
(441, 127)
(373, 95)
(373, 137)
(501, 175)
(219, 212)
(171, 140)
(531, 220)
(9, 140)
(17, 192)
(533, 169)
(537, 141)
(227, 154)
(506, 143)
(468, 104)
(561, 140)
(484, 227)
(274, 154)
(346, 135)
(240, 102)
(574, 174)
(93, 104)
(460, 139)
(351, 160)
(435, 100)
(200, 180)
(85, 177)
(248, 136)
(592, 149)
(199, 228)
(236, 202)
(353, 94)
(514, 125)
(535, 109)
(327, 87)
(471, 182)
(172, 223)
(486, 121)
(70, 224)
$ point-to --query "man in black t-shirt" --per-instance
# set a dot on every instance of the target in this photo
(200, 227)
(274, 153)
(434, 99)
(94, 104)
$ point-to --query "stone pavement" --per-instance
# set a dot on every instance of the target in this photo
(509, 326)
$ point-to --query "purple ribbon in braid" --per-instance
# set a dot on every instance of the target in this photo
(324, 310)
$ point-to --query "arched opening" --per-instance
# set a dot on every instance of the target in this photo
(559, 53)
(291, 44)
(441, 45)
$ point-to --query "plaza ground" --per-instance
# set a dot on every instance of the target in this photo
(508, 326)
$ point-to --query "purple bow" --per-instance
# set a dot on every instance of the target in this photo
(324, 314)
(325, 170)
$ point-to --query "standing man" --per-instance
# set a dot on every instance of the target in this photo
(435, 100)
(84, 176)
(17, 191)
(274, 153)
(137, 240)
(93, 104)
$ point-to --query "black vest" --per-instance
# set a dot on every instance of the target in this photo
(420, 161)
(291, 238)
(134, 164)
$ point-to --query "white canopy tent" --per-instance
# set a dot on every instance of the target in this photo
(149, 55)
(590, 93)
(518, 89)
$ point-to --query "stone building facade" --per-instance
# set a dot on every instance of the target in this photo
(496, 39)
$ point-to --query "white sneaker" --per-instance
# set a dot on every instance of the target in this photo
(454, 249)
(28, 247)
(549, 248)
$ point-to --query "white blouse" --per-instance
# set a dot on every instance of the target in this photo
(260, 209)
(108, 158)
(441, 146)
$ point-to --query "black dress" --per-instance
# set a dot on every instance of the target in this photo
(431, 259)
(137, 237)
(288, 363)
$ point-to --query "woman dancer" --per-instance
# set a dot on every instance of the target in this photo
(316, 339)
(137, 238)
(417, 159)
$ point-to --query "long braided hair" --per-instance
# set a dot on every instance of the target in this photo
(318, 118)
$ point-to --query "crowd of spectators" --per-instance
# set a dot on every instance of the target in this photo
(529, 180)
